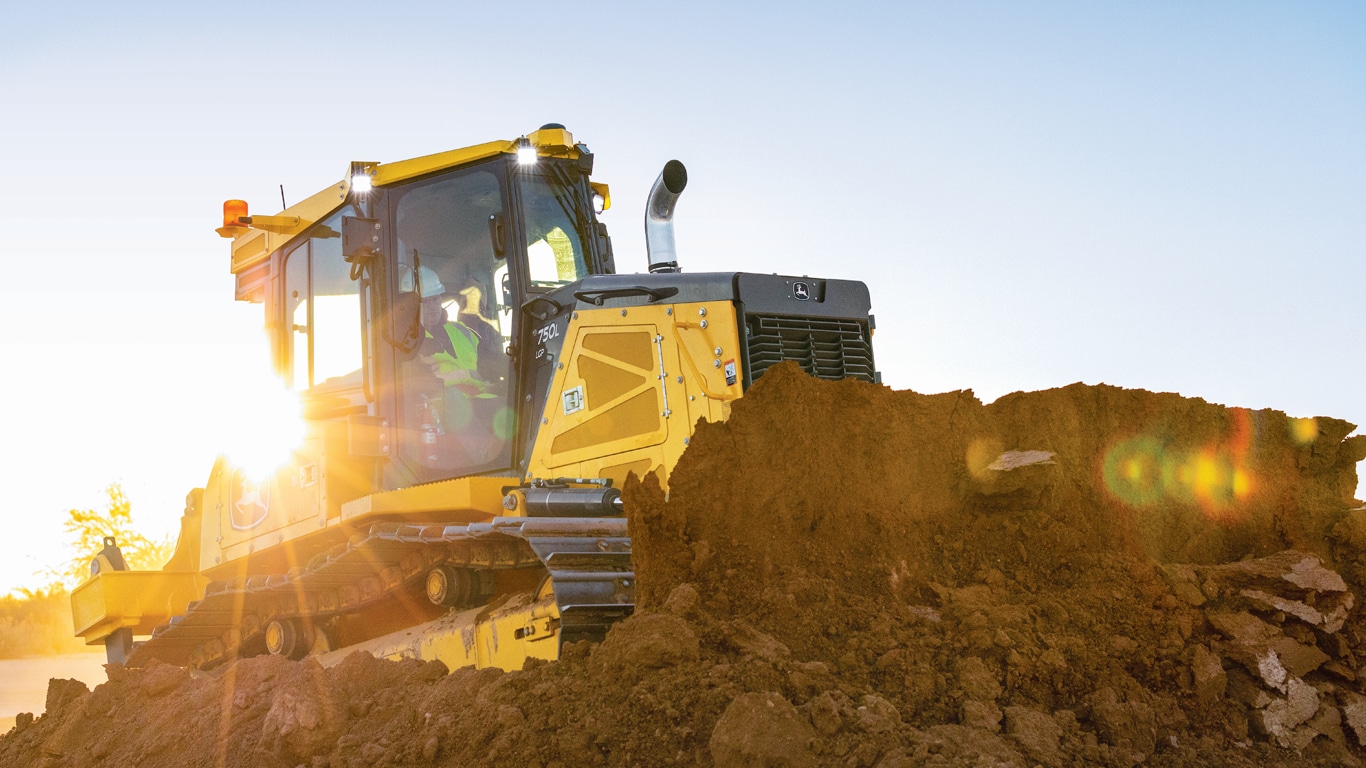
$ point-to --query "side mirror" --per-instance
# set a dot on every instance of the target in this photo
(360, 242)
(360, 238)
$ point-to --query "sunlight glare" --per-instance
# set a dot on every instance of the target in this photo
(263, 425)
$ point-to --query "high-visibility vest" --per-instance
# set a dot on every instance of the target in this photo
(464, 343)
(465, 356)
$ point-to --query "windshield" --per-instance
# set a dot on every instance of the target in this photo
(555, 254)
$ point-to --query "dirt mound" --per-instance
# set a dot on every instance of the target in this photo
(845, 575)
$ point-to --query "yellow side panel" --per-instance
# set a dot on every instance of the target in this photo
(631, 386)
(630, 348)
(637, 416)
(140, 600)
(615, 372)
(618, 473)
(607, 382)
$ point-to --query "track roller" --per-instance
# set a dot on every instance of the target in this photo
(455, 587)
(288, 638)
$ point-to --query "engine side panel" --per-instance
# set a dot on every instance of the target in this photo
(630, 386)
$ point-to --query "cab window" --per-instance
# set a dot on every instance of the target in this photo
(554, 251)
(322, 311)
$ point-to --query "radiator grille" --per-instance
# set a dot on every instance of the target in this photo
(825, 348)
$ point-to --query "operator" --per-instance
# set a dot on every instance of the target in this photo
(449, 347)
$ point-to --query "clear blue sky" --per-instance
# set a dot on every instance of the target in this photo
(1160, 195)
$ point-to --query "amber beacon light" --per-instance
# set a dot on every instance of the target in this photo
(233, 211)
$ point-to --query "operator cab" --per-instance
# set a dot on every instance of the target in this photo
(401, 307)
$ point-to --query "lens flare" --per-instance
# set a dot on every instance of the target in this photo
(1304, 431)
(1133, 471)
(1143, 471)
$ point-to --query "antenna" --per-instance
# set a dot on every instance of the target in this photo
(282, 197)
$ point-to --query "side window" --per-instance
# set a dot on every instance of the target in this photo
(322, 308)
(296, 315)
(336, 309)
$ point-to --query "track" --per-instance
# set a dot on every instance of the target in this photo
(588, 561)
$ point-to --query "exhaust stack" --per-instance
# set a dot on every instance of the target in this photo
(659, 217)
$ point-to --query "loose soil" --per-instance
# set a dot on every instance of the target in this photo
(844, 575)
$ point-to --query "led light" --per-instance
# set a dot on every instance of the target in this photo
(361, 183)
(526, 154)
(599, 203)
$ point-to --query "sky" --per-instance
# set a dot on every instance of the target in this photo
(1158, 195)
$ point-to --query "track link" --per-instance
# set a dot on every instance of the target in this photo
(588, 561)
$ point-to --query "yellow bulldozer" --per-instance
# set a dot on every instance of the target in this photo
(477, 381)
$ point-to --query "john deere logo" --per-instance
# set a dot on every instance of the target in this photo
(250, 501)
(801, 291)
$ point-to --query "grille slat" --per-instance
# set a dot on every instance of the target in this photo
(825, 348)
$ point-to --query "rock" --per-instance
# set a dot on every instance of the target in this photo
(1297, 658)
(877, 715)
(1290, 568)
(647, 641)
(981, 714)
(1295, 608)
(1271, 671)
(62, 693)
(1244, 689)
(1184, 583)
(1012, 460)
(761, 730)
(951, 745)
(808, 677)
(1242, 628)
(1013, 480)
(1354, 714)
(510, 717)
(300, 723)
(1328, 722)
(751, 641)
(1037, 734)
(1335, 609)
(1207, 671)
(977, 682)
(1129, 725)
(824, 711)
(683, 601)
(1308, 573)
(1259, 647)
(1280, 719)
(161, 679)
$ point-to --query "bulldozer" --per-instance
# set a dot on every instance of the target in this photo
(477, 381)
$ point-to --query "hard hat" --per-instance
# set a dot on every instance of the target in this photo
(430, 283)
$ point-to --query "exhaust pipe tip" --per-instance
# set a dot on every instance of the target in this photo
(659, 214)
(675, 177)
